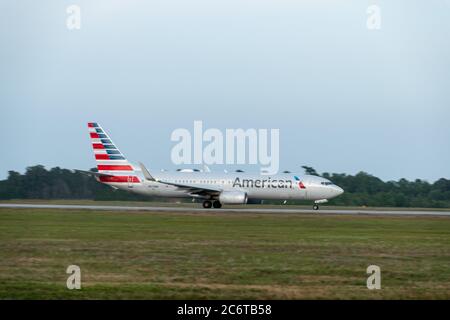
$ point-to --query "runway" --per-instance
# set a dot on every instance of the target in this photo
(230, 210)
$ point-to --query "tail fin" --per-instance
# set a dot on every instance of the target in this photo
(111, 163)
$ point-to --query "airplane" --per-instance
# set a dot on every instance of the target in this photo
(212, 188)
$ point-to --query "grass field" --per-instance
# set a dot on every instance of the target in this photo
(230, 256)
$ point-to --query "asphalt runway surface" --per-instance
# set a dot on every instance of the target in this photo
(230, 210)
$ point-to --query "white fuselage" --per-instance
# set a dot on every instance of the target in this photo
(257, 187)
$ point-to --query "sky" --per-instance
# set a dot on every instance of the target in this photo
(345, 98)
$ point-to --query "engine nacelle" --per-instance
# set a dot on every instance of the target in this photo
(233, 197)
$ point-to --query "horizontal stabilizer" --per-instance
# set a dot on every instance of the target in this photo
(93, 174)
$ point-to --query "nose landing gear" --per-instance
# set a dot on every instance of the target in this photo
(317, 202)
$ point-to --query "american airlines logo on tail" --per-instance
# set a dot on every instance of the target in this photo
(109, 159)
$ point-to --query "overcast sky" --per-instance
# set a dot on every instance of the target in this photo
(345, 98)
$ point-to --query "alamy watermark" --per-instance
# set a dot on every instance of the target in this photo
(74, 280)
(73, 21)
(373, 21)
(374, 280)
(236, 146)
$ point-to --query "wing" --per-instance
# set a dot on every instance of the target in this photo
(195, 190)
(198, 189)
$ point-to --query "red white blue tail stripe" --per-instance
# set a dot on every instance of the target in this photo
(109, 159)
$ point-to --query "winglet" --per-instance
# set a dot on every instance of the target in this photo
(145, 172)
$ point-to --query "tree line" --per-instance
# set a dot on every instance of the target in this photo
(361, 189)
(56, 183)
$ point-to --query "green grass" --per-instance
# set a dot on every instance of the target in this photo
(126, 255)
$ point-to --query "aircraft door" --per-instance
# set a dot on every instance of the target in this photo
(305, 190)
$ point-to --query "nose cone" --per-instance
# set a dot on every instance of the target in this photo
(339, 191)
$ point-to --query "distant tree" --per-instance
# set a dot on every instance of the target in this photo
(310, 171)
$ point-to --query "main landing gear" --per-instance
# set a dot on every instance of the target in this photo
(208, 204)
(316, 207)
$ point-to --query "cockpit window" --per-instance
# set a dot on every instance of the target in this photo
(326, 183)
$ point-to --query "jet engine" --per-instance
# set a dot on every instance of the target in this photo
(233, 197)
